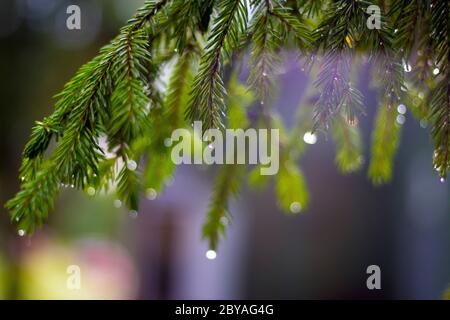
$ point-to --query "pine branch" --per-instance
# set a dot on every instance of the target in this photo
(79, 120)
(226, 185)
(440, 131)
(348, 145)
(116, 110)
(29, 208)
(263, 57)
(159, 165)
(208, 93)
(290, 188)
(129, 101)
(337, 32)
(128, 186)
(271, 29)
(440, 103)
(385, 140)
(310, 8)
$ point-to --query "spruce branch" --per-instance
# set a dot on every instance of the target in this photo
(440, 102)
(30, 207)
(440, 119)
(227, 184)
(290, 188)
(348, 145)
(159, 166)
(265, 40)
(116, 113)
(79, 119)
(208, 93)
(271, 28)
(385, 140)
(337, 33)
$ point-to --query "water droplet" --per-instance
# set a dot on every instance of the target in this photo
(211, 146)
(22, 178)
(21, 232)
(264, 74)
(224, 220)
(91, 191)
(442, 179)
(117, 203)
(131, 165)
(262, 102)
(211, 254)
(396, 30)
(310, 138)
(406, 66)
(151, 194)
(175, 50)
(168, 142)
(295, 207)
(421, 95)
(403, 88)
(400, 119)
(353, 122)
(72, 186)
(436, 71)
(401, 109)
(133, 214)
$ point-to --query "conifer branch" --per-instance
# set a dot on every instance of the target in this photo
(79, 120)
(440, 103)
(208, 93)
(226, 185)
(348, 145)
(385, 140)
(115, 114)
(337, 33)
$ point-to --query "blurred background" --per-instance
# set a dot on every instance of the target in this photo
(403, 227)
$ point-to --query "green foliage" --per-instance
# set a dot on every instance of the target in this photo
(291, 188)
(337, 35)
(385, 140)
(348, 145)
(111, 121)
(207, 102)
(271, 29)
(226, 185)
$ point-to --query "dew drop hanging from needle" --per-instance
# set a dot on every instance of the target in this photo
(151, 194)
(133, 214)
(406, 66)
(211, 255)
(131, 165)
(117, 203)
